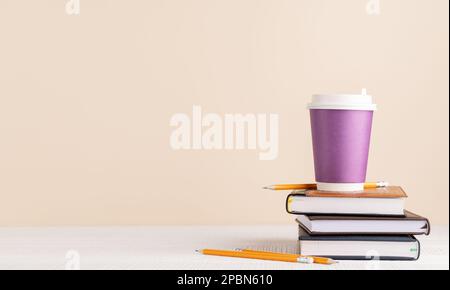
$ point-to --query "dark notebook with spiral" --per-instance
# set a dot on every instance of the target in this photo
(352, 247)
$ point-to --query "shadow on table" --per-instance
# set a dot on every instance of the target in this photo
(277, 246)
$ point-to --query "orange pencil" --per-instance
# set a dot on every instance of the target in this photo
(257, 256)
(317, 260)
(312, 186)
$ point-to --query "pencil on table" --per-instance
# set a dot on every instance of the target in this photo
(257, 256)
(317, 260)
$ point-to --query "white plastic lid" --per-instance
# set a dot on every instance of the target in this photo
(361, 102)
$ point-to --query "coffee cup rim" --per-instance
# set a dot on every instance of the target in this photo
(361, 102)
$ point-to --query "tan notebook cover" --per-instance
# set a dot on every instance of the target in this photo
(382, 192)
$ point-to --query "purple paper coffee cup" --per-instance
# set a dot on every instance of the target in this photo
(341, 126)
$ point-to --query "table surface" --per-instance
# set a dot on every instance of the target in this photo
(174, 248)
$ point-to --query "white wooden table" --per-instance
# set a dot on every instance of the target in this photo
(174, 248)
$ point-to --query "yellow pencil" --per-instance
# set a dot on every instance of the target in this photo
(265, 256)
(312, 186)
(317, 260)
(257, 256)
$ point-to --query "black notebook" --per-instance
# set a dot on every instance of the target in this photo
(398, 248)
(410, 224)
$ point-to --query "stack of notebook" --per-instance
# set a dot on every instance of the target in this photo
(372, 224)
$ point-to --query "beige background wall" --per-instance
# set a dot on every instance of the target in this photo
(85, 104)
